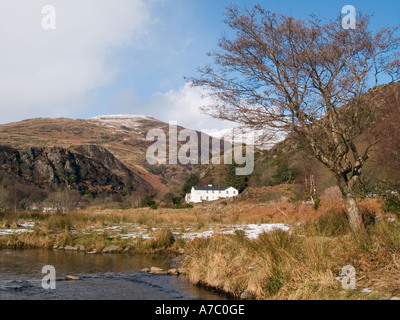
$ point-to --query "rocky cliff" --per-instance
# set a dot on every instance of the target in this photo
(85, 168)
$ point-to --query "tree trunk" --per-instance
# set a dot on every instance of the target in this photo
(353, 213)
(352, 209)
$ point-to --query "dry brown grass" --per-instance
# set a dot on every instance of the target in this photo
(302, 264)
(277, 265)
(280, 265)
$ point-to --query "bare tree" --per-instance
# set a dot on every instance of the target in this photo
(62, 200)
(4, 199)
(306, 78)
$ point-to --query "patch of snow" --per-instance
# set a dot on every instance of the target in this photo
(28, 224)
(121, 120)
(252, 231)
(263, 138)
(127, 120)
(194, 235)
(122, 117)
(129, 230)
(5, 232)
(135, 235)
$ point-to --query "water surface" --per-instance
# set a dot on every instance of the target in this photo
(103, 277)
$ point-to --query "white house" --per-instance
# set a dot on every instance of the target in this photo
(210, 193)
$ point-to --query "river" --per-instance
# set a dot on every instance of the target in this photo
(102, 277)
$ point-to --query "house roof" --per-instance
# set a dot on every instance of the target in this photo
(210, 188)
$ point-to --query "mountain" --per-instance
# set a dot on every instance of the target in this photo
(104, 153)
(110, 152)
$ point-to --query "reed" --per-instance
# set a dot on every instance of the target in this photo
(301, 264)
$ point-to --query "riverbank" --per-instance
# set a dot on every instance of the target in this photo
(235, 250)
(131, 231)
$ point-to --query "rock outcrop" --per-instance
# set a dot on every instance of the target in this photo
(94, 167)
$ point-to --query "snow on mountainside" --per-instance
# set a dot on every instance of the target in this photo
(262, 139)
(122, 117)
(126, 120)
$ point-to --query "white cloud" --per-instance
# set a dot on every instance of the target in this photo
(183, 106)
(49, 73)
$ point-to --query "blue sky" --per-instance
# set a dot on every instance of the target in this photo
(126, 56)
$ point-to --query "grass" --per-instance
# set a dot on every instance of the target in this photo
(162, 239)
(283, 265)
(301, 264)
(92, 230)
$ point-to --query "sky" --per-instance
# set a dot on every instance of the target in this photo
(109, 57)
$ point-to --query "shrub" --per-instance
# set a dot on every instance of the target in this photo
(317, 202)
(59, 222)
(368, 217)
(162, 239)
(387, 234)
(177, 200)
(183, 206)
(149, 202)
(284, 175)
(391, 203)
(331, 224)
(335, 223)
(274, 283)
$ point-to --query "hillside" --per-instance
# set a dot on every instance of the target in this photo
(117, 143)
(292, 161)
(58, 167)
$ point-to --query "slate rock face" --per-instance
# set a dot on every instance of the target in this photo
(55, 166)
(106, 158)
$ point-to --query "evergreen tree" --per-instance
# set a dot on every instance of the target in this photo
(238, 182)
(191, 181)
